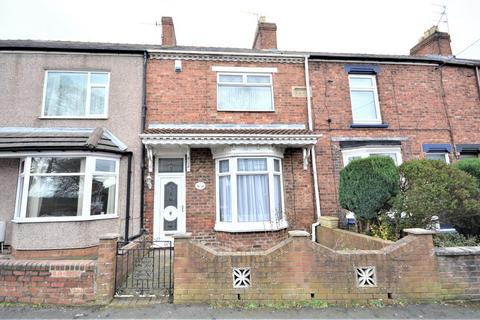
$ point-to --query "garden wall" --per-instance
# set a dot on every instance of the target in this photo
(338, 239)
(298, 269)
(459, 270)
(47, 282)
(64, 282)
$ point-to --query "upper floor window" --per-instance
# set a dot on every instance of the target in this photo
(66, 188)
(364, 97)
(71, 94)
(244, 92)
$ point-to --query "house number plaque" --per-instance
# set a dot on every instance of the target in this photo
(200, 185)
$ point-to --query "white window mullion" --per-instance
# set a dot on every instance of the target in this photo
(282, 194)
(26, 183)
(233, 188)
(89, 93)
(271, 191)
(87, 185)
(217, 190)
(117, 186)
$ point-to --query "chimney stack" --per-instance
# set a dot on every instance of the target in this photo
(168, 32)
(433, 42)
(265, 36)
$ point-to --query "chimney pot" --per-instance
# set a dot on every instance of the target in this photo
(265, 36)
(168, 32)
(433, 42)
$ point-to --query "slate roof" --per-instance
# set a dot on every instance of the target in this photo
(77, 46)
(38, 139)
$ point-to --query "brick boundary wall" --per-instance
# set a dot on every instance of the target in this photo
(459, 270)
(61, 282)
(298, 269)
(47, 282)
(74, 253)
(338, 239)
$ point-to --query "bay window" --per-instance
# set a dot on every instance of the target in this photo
(249, 194)
(66, 188)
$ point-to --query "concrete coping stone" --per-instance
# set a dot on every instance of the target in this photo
(457, 251)
(419, 231)
(109, 236)
(329, 218)
(298, 233)
(186, 235)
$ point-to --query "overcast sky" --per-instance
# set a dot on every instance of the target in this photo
(346, 26)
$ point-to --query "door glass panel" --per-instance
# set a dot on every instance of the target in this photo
(169, 225)
(170, 195)
(170, 165)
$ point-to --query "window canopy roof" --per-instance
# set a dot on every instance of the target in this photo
(210, 137)
(24, 139)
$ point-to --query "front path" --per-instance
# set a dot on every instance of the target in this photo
(142, 310)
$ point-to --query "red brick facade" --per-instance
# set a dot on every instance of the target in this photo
(420, 103)
(190, 97)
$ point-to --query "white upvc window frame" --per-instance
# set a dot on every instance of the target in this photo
(444, 154)
(235, 225)
(365, 152)
(244, 83)
(90, 160)
(373, 89)
(90, 85)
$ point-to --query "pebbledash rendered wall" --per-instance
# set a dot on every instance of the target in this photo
(298, 269)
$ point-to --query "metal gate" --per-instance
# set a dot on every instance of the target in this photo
(144, 269)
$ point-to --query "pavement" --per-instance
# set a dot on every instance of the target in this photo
(142, 310)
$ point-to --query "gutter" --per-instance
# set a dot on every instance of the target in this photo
(392, 60)
(62, 149)
(227, 136)
(73, 50)
(312, 152)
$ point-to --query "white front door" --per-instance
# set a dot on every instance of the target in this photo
(169, 210)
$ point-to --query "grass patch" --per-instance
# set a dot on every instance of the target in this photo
(315, 304)
(378, 303)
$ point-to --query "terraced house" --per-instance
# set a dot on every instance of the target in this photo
(70, 154)
(251, 151)
(215, 165)
(229, 140)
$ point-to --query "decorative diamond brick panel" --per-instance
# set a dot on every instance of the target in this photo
(366, 277)
(241, 277)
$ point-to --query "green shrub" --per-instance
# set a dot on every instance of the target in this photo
(366, 186)
(384, 228)
(433, 188)
(470, 166)
(454, 240)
